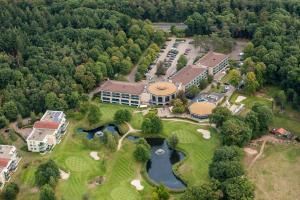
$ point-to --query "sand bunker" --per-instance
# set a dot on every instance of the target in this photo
(94, 155)
(137, 184)
(240, 99)
(205, 133)
(64, 175)
(250, 151)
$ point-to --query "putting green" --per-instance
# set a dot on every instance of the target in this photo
(124, 193)
(185, 136)
(77, 164)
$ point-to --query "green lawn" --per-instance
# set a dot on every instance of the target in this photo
(119, 168)
(199, 151)
(277, 174)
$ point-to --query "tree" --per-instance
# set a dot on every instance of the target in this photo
(206, 191)
(251, 84)
(47, 193)
(111, 142)
(45, 172)
(181, 63)
(160, 193)
(235, 77)
(203, 84)
(10, 191)
(3, 121)
(264, 115)
(152, 124)
(10, 110)
(142, 153)
(227, 153)
(252, 120)
(224, 170)
(280, 99)
(94, 114)
(178, 106)
(122, 116)
(19, 121)
(192, 91)
(160, 69)
(235, 132)
(173, 141)
(238, 188)
(219, 115)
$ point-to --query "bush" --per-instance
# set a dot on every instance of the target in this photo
(94, 114)
(173, 141)
(10, 192)
(47, 193)
(142, 153)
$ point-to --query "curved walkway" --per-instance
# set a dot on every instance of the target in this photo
(259, 154)
(131, 130)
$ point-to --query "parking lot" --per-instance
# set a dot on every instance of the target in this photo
(171, 53)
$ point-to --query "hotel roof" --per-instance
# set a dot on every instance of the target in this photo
(162, 88)
(201, 108)
(187, 74)
(123, 87)
(211, 59)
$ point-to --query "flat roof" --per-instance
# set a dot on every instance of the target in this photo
(122, 87)
(40, 134)
(6, 151)
(187, 74)
(162, 88)
(52, 116)
(201, 108)
(211, 59)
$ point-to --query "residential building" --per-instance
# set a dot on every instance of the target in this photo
(162, 93)
(9, 160)
(121, 92)
(47, 132)
(214, 62)
(190, 75)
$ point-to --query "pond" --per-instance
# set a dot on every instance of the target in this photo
(111, 128)
(159, 167)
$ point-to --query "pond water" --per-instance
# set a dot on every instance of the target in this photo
(111, 128)
(159, 167)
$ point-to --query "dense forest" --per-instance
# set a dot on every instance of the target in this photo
(273, 26)
(51, 54)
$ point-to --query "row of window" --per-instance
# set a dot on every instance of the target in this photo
(125, 96)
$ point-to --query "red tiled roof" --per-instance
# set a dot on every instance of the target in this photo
(46, 125)
(187, 74)
(122, 87)
(211, 59)
(280, 131)
(3, 162)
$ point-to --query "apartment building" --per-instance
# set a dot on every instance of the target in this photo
(9, 160)
(47, 132)
(214, 62)
(121, 92)
(190, 75)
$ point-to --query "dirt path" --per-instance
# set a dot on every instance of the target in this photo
(24, 132)
(131, 130)
(259, 154)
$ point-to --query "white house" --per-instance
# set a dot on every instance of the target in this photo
(47, 132)
(9, 160)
